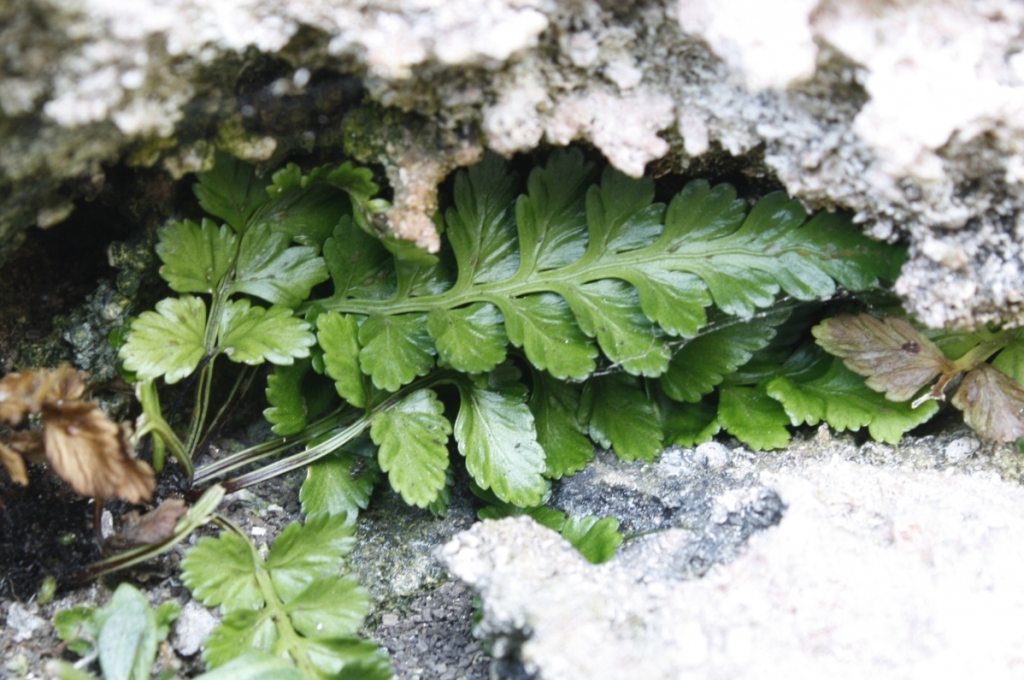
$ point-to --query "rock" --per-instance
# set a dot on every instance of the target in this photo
(909, 115)
(872, 572)
(23, 622)
(192, 627)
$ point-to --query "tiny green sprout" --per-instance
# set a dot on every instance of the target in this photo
(47, 590)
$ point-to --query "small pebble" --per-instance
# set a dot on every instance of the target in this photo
(389, 620)
(960, 449)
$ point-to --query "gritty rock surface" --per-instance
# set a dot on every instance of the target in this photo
(909, 114)
(888, 571)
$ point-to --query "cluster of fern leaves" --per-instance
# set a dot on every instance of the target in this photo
(569, 309)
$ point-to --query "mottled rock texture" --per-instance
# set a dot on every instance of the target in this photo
(908, 113)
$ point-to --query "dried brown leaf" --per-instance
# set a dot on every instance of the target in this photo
(893, 355)
(14, 464)
(24, 393)
(85, 448)
(152, 527)
(993, 404)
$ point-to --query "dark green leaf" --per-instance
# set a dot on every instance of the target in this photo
(359, 265)
(303, 553)
(481, 225)
(231, 191)
(167, 342)
(495, 432)
(703, 362)
(413, 440)
(622, 416)
(555, 406)
(269, 269)
(395, 349)
(306, 211)
(196, 258)
(339, 338)
(551, 216)
(470, 339)
(252, 335)
(621, 215)
(287, 412)
(753, 417)
(690, 424)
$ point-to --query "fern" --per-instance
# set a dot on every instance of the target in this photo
(579, 310)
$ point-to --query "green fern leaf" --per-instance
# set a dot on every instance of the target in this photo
(252, 335)
(495, 432)
(342, 481)
(395, 349)
(339, 338)
(359, 265)
(690, 424)
(303, 553)
(469, 339)
(196, 258)
(841, 398)
(753, 417)
(413, 440)
(269, 269)
(167, 342)
(220, 572)
(231, 191)
(622, 417)
(555, 406)
(295, 394)
(304, 207)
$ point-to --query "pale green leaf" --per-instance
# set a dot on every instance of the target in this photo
(338, 335)
(269, 269)
(753, 417)
(346, 659)
(167, 342)
(342, 481)
(231, 191)
(555, 406)
(240, 630)
(252, 335)
(495, 432)
(255, 665)
(469, 339)
(596, 539)
(127, 641)
(395, 349)
(840, 398)
(622, 417)
(1011, 360)
(413, 440)
(610, 311)
(544, 327)
(222, 572)
(196, 258)
(303, 553)
(330, 607)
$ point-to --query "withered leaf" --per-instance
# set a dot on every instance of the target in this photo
(993, 404)
(893, 355)
(85, 448)
(14, 465)
(24, 393)
(152, 527)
